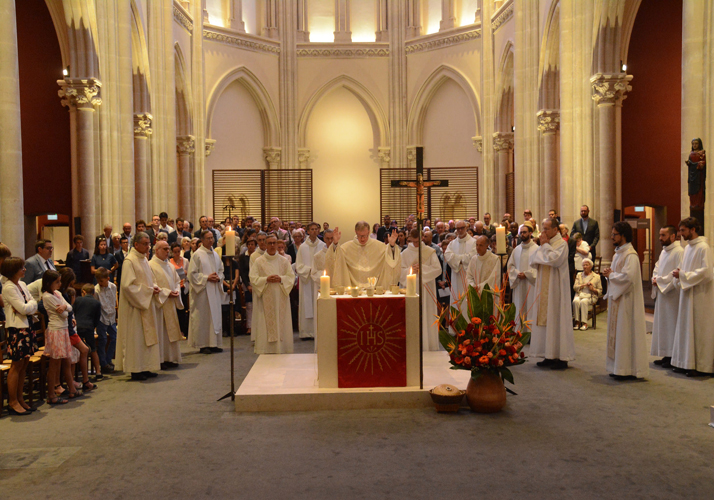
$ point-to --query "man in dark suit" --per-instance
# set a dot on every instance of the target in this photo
(107, 235)
(203, 222)
(40, 262)
(382, 231)
(119, 255)
(588, 227)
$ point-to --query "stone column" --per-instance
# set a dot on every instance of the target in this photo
(397, 84)
(235, 15)
(342, 21)
(185, 149)
(12, 221)
(272, 157)
(303, 157)
(303, 33)
(382, 33)
(142, 131)
(503, 147)
(448, 18)
(413, 18)
(385, 156)
(549, 125)
(81, 96)
(608, 91)
(270, 29)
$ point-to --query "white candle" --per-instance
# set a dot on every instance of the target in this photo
(324, 285)
(500, 240)
(230, 240)
(411, 284)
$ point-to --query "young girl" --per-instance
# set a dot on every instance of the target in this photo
(80, 353)
(57, 343)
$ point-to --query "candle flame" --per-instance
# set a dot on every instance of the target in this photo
(324, 273)
(411, 271)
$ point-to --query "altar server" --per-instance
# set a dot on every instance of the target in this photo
(205, 274)
(308, 288)
(167, 302)
(522, 276)
(666, 294)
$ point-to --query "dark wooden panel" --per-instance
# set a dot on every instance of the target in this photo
(289, 195)
(241, 188)
(457, 201)
(396, 202)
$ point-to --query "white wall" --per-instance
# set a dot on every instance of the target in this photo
(321, 20)
(343, 159)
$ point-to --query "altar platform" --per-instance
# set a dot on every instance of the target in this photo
(288, 382)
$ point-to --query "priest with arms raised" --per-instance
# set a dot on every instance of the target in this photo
(626, 329)
(308, 288)
(552, 331)
(364, 257)
(166, 303)
(272, 279)
(137, 339)
(205, 274)
(666, 295)
(458, 256)
(430, 269)
(521, 275)
(693, 351)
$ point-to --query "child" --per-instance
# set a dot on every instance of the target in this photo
(87, 312)
(106, 292)
(57, 343)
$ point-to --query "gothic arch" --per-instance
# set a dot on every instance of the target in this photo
(613, 28)
(374, 110)
(139, 62)
(271, 126)
(417, 113)
(504, 92)
(549, 64)
(184, 105)
(75, 22)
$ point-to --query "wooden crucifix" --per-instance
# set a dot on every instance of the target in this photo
(420, 184)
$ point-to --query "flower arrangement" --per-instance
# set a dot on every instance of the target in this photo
(490, 341)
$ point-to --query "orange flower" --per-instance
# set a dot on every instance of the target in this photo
(501, 352)
(490, 354)
(476, 321)
(483, 360)
(500, 362)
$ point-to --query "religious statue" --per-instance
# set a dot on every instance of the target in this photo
(696, 176)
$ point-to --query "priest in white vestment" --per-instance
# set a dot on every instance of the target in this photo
(364, 257)
(308, 288)
(552, 329)
(458, 256)
(166, 303)
(430, 269)
(484, 267)
(205, 274)
(137, 340)
(260, 240)
(693, 350)
(272, 279)
(522, 276)
(626, 329)
(666, 294)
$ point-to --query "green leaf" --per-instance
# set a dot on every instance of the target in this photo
(486, 303)
(447, 340)
(460, 322)
(525, 338)
(475, 374)
(507, 375)
(509, 313)
(475, 309)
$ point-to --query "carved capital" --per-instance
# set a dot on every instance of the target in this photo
(210, 144)
(502, 141)
(80, 93)
(411, 153)
(385, 155)
(142, 125)
(610, 89)
(548, 121)
(303, 157)
(478, 143)
(272, 156)
(185, 144)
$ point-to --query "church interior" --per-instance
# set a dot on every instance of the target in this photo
(112, 111)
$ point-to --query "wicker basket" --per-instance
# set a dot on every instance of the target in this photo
(447, 398)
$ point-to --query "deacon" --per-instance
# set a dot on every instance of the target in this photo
(552, 333)
(666, 294)
(484, 267)
(693, 351)
(430, 269)
(522, 276)
(167, 301)
(272, 278)
(137, 339)
(365, 257)
(626, 329)
(308, 288)
(205, 275)
(458, 256)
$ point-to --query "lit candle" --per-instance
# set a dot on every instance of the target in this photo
(230, 240)
(324, 285)
(500, 240)
(411, 284)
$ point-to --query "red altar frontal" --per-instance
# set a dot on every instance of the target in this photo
(368, 342)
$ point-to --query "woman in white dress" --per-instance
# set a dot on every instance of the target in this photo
(587, 290)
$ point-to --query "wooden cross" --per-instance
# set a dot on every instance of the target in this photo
(420, 184)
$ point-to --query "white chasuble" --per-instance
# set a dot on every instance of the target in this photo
(354, 263)
(552, 331)
(484, 270)
(626, 328)
(666, 294)
(137, 339)
(272, 320)
(307, 288)
(458, 256)
(430, 269)
(167, 324)
(205, 299)
(524, 290)
(694, 336)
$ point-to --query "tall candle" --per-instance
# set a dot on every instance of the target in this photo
(230, 240)
(324, 285)
(500, 240)
(411, 284)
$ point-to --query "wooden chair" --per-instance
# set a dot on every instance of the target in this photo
(600, 305)
(597, 264)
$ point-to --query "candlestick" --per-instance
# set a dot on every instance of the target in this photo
(324, 285)
(500, 240)
(230, 240)
(411, 284)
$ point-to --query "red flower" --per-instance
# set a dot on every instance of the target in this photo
(459, 360)
(500, 362)
(490, 354)
(467, 361)
(469, 349)
(502, 352)
(523, 355)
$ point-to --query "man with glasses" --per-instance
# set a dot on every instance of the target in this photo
(458, 256)
(40, 262)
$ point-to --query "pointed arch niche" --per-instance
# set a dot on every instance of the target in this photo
(185, 141)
